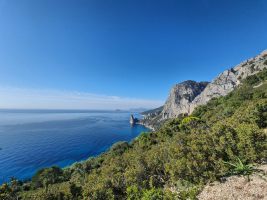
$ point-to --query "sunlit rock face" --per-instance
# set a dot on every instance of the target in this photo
(229, 79)
(186, 96)
(180, 98)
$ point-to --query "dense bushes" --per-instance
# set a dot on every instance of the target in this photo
(47, 176)
(173, 162)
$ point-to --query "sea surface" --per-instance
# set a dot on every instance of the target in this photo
(33, 139)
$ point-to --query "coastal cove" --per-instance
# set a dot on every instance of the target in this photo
(34, 139)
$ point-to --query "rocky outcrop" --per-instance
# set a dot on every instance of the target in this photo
(186, 96)
(180, 98)
(133, 120)
(230, 79)
(179, 101)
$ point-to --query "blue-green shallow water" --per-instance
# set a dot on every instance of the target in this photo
(30, 140)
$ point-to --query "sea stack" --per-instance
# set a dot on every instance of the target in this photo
(132, 120)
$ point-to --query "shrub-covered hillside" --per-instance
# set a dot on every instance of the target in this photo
(171, 163)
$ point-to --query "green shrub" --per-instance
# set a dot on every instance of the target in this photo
(133, 193)
(152, 194)
(119, 148)
(47, 176)
(239, 168)
(75, 191)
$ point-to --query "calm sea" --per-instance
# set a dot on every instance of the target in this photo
(33, 139)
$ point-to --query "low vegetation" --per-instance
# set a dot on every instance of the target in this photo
(172, 163)
(239, 168)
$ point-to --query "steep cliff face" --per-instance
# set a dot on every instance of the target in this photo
(229, 79)
(178, 102)
(181, 97)
(186, 96)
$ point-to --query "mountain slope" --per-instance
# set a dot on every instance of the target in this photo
(183, 100)
(230, 79)
(171, 163)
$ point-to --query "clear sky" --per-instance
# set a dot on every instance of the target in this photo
(120, 53)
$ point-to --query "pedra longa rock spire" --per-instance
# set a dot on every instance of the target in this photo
(133, 120)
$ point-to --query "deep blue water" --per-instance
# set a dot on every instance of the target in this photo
(30, 140)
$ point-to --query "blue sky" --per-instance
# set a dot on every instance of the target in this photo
(122, 51)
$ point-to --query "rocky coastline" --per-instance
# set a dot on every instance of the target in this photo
(146, 125)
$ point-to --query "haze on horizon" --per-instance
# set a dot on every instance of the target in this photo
(106, 54)
(19, 98)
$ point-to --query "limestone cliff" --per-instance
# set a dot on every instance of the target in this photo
(179, 101)
(229, 79)
(186, 96)
(180, 98)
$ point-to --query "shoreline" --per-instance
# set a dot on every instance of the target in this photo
(147, 126)
(140, 122)
(104, 150)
